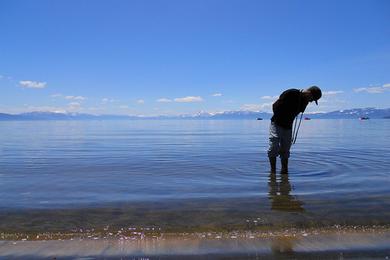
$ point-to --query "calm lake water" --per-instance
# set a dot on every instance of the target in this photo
(191, 174)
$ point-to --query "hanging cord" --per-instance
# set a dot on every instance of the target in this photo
(295, 129)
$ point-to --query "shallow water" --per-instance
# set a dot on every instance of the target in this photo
(213, 173)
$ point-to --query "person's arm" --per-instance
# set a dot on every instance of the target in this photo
(277, 107)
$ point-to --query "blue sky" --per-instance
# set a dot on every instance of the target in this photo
(153, 57)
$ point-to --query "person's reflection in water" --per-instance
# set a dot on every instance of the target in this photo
(283, 247)
(279, 194)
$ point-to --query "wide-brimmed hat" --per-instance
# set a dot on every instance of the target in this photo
(315, 92)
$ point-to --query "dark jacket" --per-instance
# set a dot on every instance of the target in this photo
(290, 103)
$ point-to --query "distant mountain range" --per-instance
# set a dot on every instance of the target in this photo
(239, 115)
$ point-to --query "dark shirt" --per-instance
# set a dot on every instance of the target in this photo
(290, 103)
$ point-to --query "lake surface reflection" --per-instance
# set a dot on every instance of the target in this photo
(214, 172)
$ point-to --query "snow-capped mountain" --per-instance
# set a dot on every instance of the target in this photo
(248, 115)
(354, 113)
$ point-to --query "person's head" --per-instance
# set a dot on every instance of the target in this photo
(313, 94)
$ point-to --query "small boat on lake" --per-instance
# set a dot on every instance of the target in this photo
(307, 118)
(364, 118)
(259, 118)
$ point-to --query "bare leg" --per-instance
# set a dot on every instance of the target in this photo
(273, 149)
(284, 165)
(272, 162)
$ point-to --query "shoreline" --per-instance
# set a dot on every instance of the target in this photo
(141, 233)
(356, 241)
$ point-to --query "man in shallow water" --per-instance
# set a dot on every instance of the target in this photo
(290, 103)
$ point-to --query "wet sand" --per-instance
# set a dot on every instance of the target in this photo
(336, 242)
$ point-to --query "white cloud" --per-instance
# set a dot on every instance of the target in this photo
(374, 90)
(29, 108)
(217, 95)
(140, 101)
(56, 95)
(72, 106)
(189, 99)
(371, 90)
(265, 107)
(75, 98)
(107, 100)
(330, 101)
(332, 92)
(32, 84)
(270, 97)
(164, 100)
(94, 109)
(251, 107)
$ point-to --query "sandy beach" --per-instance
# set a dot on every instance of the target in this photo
(336, 242)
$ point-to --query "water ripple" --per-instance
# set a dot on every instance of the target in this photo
(68, 163)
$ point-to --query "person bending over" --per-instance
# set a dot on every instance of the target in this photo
(290, 103)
